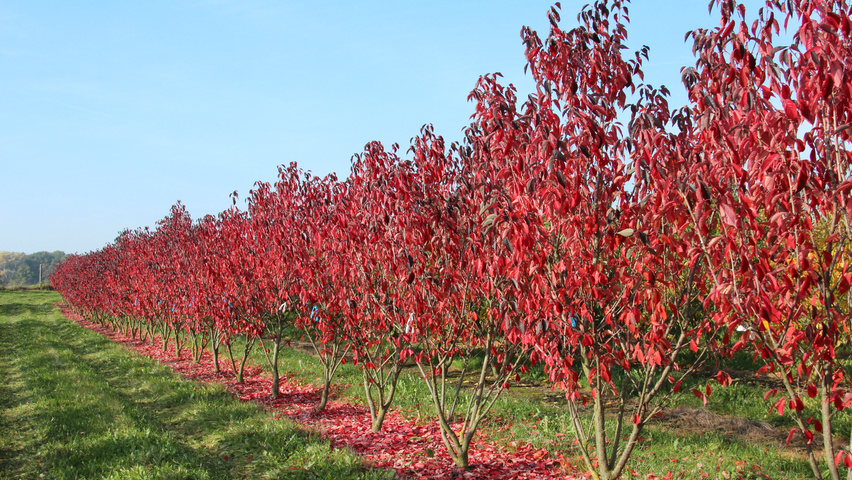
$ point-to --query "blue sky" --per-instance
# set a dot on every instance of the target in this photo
(112, 111)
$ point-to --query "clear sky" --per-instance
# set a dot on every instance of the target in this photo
(111, 111)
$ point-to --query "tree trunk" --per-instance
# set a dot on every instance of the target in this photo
(827, 434)
(166, 332)
(178, 343)
(379, 418)
(273, 359)
(246, 351)
(326, 387)
(215, 349)
(215, 344)
(231, 358)
(276, 390)
(379, 406)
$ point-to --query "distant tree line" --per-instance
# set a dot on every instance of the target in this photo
(20, 270)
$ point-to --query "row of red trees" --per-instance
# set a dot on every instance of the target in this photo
(551, 234)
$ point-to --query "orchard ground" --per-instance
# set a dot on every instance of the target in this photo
(77, 405)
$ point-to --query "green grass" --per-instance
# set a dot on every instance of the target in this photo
(77, 406)
(538, 416)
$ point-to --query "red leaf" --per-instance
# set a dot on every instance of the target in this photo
(728, 215)
(791, 110)
(723, 378)
(790, 435)
(770, 393)
(728, 28)
(812, 390)
(700, 394)
(801, 180)
(844, 284)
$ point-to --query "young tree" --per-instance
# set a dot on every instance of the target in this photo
(171, 289)
(283, 222)
(370, 242)
(773, 141)
(303, 205)
(620, 284)
(470, 274)
(211, 311)
(236, 273)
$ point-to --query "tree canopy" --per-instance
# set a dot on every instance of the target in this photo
(21, 270)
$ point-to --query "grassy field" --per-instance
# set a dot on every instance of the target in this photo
(76, 406)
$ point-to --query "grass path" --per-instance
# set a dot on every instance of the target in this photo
(75, 405)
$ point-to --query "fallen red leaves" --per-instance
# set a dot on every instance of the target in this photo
(413, 450)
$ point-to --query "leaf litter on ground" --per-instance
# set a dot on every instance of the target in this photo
(414, 450)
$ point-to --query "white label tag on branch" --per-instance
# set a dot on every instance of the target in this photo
(410, 323)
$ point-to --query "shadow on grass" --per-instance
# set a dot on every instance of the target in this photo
(13, 430)
(23, 309)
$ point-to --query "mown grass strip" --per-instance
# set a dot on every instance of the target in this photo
(75, 405)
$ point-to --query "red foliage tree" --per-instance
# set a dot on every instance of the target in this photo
(302, 207)
(773, 141)
(371, 243)
(236, 279)
(551, 231)
(618, 282)
(470, 272)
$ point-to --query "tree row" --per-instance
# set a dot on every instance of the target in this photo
(589, 227)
